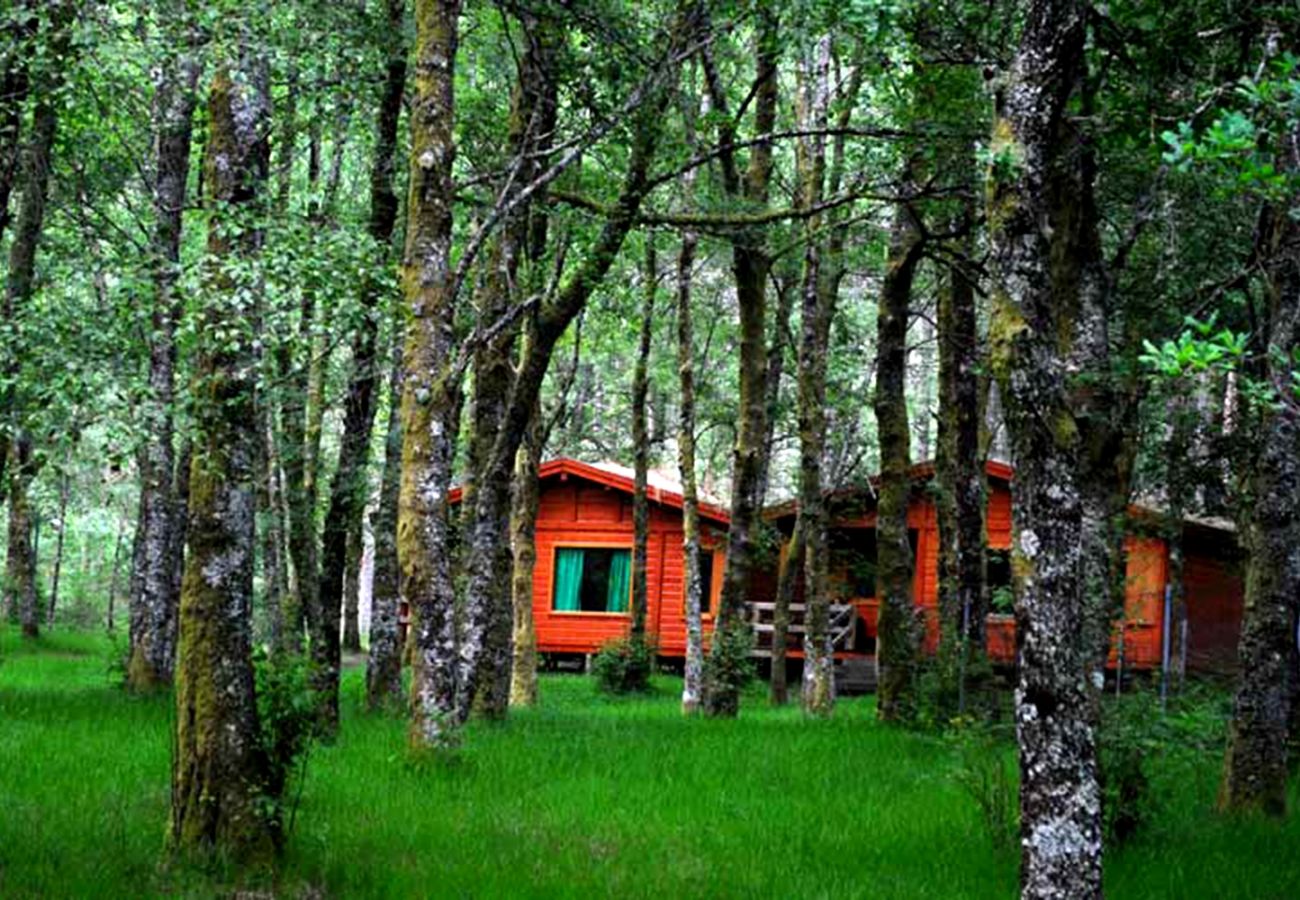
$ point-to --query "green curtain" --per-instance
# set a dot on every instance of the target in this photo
(620, 581)
(568, 579)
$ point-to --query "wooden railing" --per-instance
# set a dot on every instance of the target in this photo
(843, 627)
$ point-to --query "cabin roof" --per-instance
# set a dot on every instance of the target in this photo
(998, 470)
(660, 487)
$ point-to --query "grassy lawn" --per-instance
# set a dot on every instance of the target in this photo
(581, 797)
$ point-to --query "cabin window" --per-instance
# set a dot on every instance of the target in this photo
(706, 581)
(997, 575)
(592, 579)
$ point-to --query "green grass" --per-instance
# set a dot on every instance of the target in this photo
(581, 797)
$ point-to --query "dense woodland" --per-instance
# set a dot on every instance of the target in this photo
(277, 277)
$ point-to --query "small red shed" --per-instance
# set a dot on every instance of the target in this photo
(1212, 581)
(582, 582)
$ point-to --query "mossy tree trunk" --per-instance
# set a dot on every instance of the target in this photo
(153, 601)
(221, 779)
(429, 396)
(898, 631)
(1255, 764)
(523, 545)
(750, 267)
(1035, 326)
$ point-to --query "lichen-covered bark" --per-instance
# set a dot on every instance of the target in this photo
(429, 401)
(523, 545)
(750, 266)
(153, 602)
(1255, 764)
(693, 668)
(898, 632)
(1032, 335)
(641, 447)
(384, 661)
(220, 772)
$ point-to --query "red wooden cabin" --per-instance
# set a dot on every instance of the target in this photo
(582, 582)
(1211, 578)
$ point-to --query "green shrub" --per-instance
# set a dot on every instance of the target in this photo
(624, 666)
(286, 709)
(729, 666)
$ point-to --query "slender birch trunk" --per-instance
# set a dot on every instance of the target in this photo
(384, 661)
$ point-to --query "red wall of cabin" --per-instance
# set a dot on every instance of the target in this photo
(574, 512)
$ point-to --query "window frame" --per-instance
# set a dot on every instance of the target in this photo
(713, 593)
(589, 545)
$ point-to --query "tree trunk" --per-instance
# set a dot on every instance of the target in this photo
(491, 514)
(352, 590)
(693, 668)
(220, 770)
(959, 472)
(1255, 764)
(898, 631)
(112, 579)
(384, 662)
(523, 543)
(641, 448)
(788, 576)
(37, 160)
(1032, 329)
(20, 567)
(429, 398)
(58, 549)
(348, 490)
(728, 659)
(818, 306)
(533, 110)
(153, 601)
(17, 32)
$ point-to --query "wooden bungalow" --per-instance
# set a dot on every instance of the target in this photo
(1143, 639)
(582, 583)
